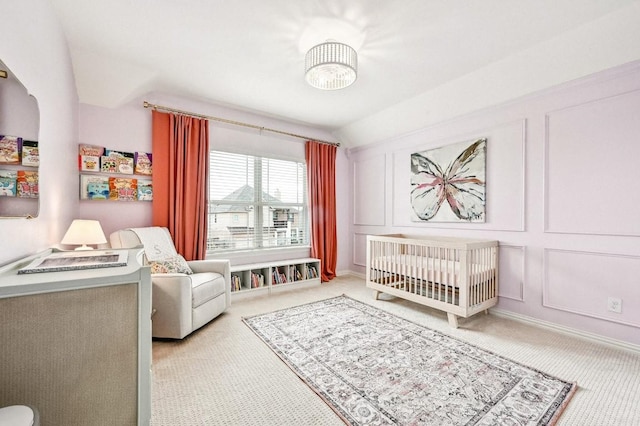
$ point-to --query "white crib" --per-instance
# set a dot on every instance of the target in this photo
(458, 276)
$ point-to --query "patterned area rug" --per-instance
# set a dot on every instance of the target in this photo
(374, 368)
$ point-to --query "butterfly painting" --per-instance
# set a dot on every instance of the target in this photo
(448, 183)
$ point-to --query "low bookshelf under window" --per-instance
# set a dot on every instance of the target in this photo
(271, 276)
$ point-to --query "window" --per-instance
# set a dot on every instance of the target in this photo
(256, 202)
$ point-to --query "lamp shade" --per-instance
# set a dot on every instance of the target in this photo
(331, 66)
(83, 232)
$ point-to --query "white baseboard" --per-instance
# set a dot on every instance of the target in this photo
(566, 330)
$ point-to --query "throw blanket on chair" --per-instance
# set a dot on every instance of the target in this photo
(157, 243)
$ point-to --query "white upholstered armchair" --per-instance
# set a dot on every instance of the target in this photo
(182, 302)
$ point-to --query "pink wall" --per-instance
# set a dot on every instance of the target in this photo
(562, 199)
(32, 45)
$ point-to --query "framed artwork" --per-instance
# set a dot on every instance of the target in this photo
(448, 183)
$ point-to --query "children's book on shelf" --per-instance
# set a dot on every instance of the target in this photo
(98, 185)
(108, 164)
(30, 154)
(145, 190)
(10, 147)
(143, 163)
(236, 283)
(124, 161)
(123, 189)
(27, 183)
(89, 157)
(89, 163)
(8, 183)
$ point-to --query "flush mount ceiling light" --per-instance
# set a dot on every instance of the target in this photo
(331, 65)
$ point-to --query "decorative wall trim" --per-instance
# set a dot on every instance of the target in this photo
(382, 197)
(354, 259)
(618, 344)
(546, 171)
(546, 290)
(523, 272)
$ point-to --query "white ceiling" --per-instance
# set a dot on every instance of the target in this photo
(249, 54)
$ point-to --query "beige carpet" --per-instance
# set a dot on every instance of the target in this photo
(224, 375)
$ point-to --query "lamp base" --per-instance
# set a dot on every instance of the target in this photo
(83, 247)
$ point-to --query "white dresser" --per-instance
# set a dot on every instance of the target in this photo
(76, 345)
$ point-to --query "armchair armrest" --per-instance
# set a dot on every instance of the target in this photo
(221, 266)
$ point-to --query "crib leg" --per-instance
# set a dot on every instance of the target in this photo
(376, 293)
(453, 320)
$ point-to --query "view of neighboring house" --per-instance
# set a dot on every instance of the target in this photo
(238, 222)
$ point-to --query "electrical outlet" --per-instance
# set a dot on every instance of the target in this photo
(614, 304)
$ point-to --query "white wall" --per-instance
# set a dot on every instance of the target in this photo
(562, 199)
(32, 45)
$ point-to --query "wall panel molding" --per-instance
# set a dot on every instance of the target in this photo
(359, 255)
(513, 273)
(369, 203)
(580, 282)
(589, 150)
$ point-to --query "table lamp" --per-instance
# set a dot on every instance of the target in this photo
(84, 232)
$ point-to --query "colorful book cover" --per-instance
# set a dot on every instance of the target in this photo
(86, 150)
(145, 190)
(98, 190)
(8, 183)
(30, 153)
(89, 163)
(27, 183)
(96, 182)
(10, 147)
(124, 161)
(143, 163)
(123, 189)
(94, 150)
(108, 164)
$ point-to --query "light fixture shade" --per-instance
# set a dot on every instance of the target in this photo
(83, 232)
(331, 66)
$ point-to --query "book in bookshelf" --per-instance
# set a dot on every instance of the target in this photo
(145, 190)
(99, 186)
(123, 161)
(123, 189)
(143, 163)
(30, 153)
(89, 163)
(27, 184)
(108, 164)
(8, 183)
(10, 147)
(89, 157)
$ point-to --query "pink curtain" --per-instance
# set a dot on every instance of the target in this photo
(180, 180)
(321, 173)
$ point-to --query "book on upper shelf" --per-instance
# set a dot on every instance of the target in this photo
(27, 184)
(145, 190)
(123, 189)
(30, 153)
(89, 163)
(143, 163)
(89, 157)
(8, 183)
(10, 147)
(108, 164)
(93, 187)
(123, 160)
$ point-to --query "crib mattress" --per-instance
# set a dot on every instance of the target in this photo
(429, 269)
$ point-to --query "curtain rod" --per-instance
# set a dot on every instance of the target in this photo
(235, 123)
